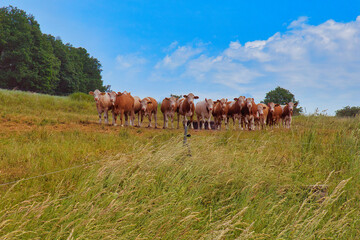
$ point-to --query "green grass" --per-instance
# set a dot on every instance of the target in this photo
(138, 183)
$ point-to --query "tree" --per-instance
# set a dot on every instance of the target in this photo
(348, 111)
(33, 61)
(282, 96)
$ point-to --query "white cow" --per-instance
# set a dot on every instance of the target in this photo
(103, 104)
(203, 110)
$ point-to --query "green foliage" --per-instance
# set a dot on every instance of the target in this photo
(282, 96)
(175, 96)
(33, 61)
(348, 111)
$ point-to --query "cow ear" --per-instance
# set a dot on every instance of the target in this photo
(108, 93)
(276, 105)
(185, 96)
(119, 94)
(167, 98)
(226, 100)
(102, 93)
(206, 100)
(149, 102)
(196, 97)
(236, 99)
(91, 93)
(252, 99)
(296, 104)
(264, 108)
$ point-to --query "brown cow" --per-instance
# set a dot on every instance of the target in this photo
(124, 105)
(249, 112)
(203, 110)
(187, 108)
(221, 108)
(149, 106)
(262, 111)
(168, 108)
(274, 116)
(287, 113)
(235, 110)
(103, 104)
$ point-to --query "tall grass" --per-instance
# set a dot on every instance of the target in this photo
(131, 183)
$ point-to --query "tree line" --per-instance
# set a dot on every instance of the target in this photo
(33, 61)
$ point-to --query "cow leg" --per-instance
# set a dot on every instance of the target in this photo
(155, 117)
(114, 118)
(165, 120)
(100, 117)
(198, 121)
(138, 119)
(172, 121)
(178, 119)
(150, 116)
(121, 118)
(126, 119)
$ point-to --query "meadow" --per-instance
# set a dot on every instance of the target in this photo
(64, 176)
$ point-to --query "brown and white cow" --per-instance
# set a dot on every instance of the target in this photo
(274, 116)
(262, 112)
(203, 110)
(124, 105)
(103, 104)
(220, 111)
(235, 110)
(168, 109)
(249, 112)
(149, 107)
(187, 108)
(287, 113)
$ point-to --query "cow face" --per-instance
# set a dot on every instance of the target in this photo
(223, 104)
(260, 110)
(144, 104)
(291, 106)
(271, 107)
(190, 98)
(96, 94)
(173, 101)
(249, 102)
(240, 101)
(112, 97)
(209, 104)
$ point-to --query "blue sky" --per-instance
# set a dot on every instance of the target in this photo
(216, 49)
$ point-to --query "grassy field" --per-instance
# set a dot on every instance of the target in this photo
(82, 180)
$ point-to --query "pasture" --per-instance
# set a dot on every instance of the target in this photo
(82, 180)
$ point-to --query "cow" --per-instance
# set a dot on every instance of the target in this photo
(103, 104)
(249, 112)
(262, 111)
(220, 111)
(187, 108)
(234, 111)
(274, 116)
(137, 108)
(149, 107)
(287, 113)
(124, 105)
(203, 110)
(168, 109)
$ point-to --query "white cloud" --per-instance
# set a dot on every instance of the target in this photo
(126, 62)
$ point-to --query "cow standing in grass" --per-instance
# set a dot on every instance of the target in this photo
(262, 111)
(203, 112)
(148, 107)
(287, 113)
(124, 105)
(103, 104)
(187, 108)
(234, 111)
(221, 109)
(168, 109)
(250, 113)
(275, 113)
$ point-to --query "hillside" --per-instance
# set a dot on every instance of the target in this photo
(82, 180)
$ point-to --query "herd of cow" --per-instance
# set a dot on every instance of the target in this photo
(249, 114)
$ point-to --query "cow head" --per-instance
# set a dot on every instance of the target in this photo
(271, 107)
(291, 106)
(172, 102)
(249, 102)
(190, 98)
(112, 97)
(240, 101)
(144, 103)
(96, 94)
(260, 110)
(209, 104)
(223, 104)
